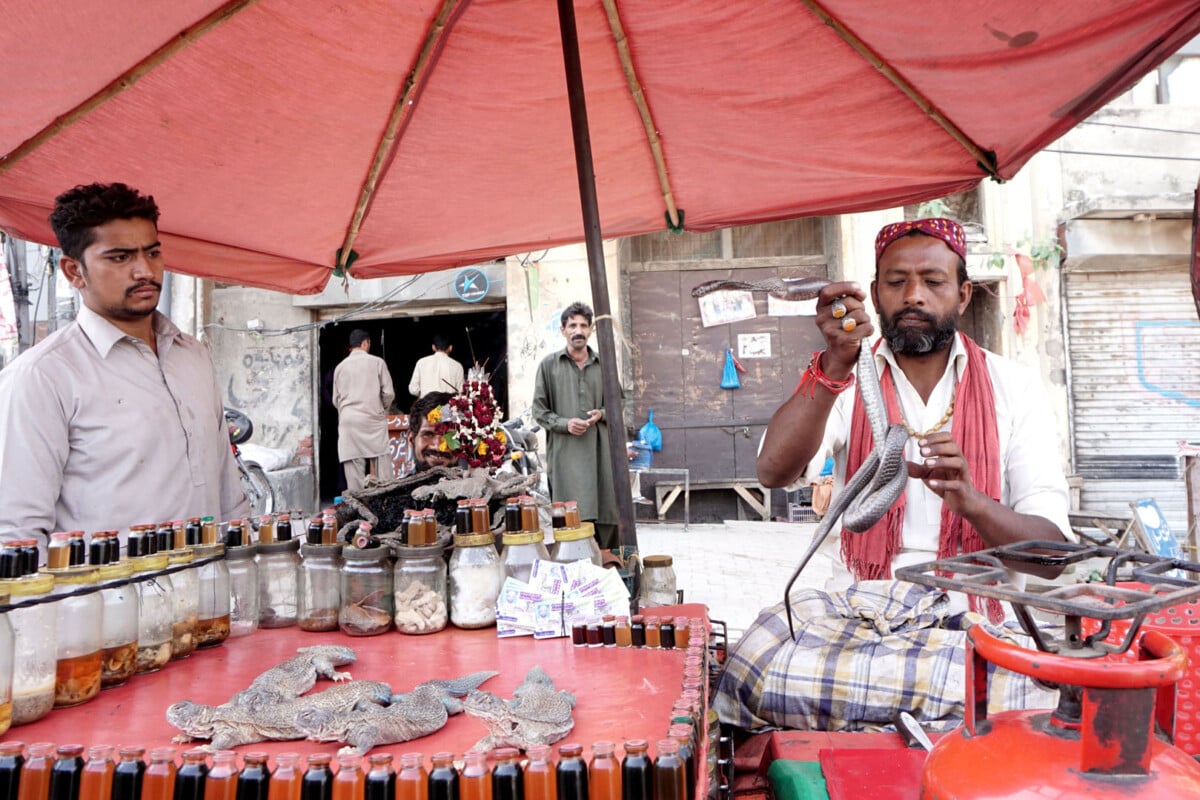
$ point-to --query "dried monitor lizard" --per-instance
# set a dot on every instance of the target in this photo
(294, 677)
(423, 711)
(537, 714)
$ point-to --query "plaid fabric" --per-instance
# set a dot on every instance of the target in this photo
(859, 658)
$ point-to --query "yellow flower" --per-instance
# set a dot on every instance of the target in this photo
(481, 449)
(442, 446)
(516, 454)
(500, 437)
(434, 416)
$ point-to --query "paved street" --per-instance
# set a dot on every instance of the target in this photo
(735, 568)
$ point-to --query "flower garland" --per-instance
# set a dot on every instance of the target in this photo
(469, 424)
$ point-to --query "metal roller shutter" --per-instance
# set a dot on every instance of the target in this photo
(1135, 386)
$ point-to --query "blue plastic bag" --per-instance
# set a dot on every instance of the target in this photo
(729, 379)
(650, 434)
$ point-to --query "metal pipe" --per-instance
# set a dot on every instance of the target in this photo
(595, 253)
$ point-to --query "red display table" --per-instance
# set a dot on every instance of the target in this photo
(622, 693)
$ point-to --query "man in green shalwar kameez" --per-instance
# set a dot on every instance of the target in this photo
(568, 401)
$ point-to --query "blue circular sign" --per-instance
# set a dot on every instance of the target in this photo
(471, 285)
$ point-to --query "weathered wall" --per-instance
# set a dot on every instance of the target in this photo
(267, 376)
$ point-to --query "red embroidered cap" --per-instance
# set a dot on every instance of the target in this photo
(947, 230)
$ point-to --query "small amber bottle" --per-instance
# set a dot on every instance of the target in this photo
(317, 783)
(624, 634)
(12, 758)
(35, 776)
(380, 783)
(255, 778)
(475, 781)
(604, 773)
(652, 633)
(637, 771)
(97, 781)
(443, 777)
(412, 782)
(222, 780)
(540, 780)
(670, 776)
(128, 775)
(350, 781)
(67, 772)
(192, 775)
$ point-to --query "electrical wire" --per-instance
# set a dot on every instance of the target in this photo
(1121, 155)
(1139, 127)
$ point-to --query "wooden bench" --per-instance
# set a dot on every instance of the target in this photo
(754, 493)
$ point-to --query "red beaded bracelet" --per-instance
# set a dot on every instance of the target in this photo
(814, 376)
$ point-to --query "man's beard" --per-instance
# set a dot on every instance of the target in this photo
(907, 341)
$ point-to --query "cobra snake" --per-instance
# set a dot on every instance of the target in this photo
(880, 479)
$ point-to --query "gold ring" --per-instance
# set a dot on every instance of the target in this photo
(838, 309)
(848, 324)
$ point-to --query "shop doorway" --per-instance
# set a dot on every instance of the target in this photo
(476, 337)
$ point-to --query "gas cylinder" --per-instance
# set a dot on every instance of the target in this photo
(1100, 742)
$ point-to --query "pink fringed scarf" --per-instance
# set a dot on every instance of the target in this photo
(869, 555)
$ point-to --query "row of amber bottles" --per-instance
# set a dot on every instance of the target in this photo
(44, 772)
(671, 633)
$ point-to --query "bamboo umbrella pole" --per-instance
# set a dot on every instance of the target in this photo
(383, 152)
(124, 81)
(595, 253)
(639, 99)
(985, 159)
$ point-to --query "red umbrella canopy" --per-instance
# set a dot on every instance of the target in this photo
(423, 134)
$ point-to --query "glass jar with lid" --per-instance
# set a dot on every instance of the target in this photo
(521, 549)
(658, 582)
(576, 544)
(320, 586)
(155, 606)
(35, 647)
(120, 626)
(419, 579)
(185, 600)
(367, 602)
(243, 588)
(212, 625)
(79, 635)
(476, 576)
(278, 583)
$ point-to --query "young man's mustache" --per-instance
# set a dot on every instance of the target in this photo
(142, 285)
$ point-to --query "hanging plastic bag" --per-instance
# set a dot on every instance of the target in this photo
(650, 434)
(729, 379)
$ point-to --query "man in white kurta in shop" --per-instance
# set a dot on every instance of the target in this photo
(439, 372)
(363, 393)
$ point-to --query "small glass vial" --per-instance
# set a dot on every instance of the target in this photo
(412, 782)
(35, 774)
(443, 778)
(653, 638)
(367, 601)
(575, 544)
(97, 780)
(637, 779)
(380, 783)
(79, 636)
(283, 527)
(185, 601)
(521, 549)
(67, 772)
(683, 735)
(508, 782)
(193, 772)
(278, 583)
(129, 773)
(120, 620)
(571, 514)
(540, 780)
(243, 588)
(579, 633)
(681, 633)
(255, 778)
(350, 781)
(286, 779)
(419, 585)
(604, 773)
(475, 780)
(462, 517)
(571, 774)
(212, 626)
(222, 780)
(670, 776)
(637, 631)
(609, 630)
(558, 515)
(624, 632)
(266, 529)
(317, 783)
(658, 582)
(666, 633)
(12, 759)
(476, 575)
(320, 586)
(595, 633)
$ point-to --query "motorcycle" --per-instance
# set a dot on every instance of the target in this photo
(523, 440)
(254, 479)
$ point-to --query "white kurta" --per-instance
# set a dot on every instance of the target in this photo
(362, 393)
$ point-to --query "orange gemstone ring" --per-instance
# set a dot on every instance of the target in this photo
(848, 324)
(838, 309)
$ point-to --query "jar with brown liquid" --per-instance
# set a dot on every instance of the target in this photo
(212, 625)
(79, 660)
(155, 611)
(185, 601)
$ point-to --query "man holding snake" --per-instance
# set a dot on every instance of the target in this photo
(983, 468)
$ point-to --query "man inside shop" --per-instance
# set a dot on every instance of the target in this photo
(116, 419)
